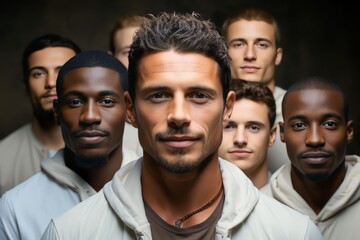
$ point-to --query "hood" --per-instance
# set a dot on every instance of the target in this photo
(348, 192)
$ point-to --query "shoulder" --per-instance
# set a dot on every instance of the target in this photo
(19, 133)
(283, 217)
(83, 219)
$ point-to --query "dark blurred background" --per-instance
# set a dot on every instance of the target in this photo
(318, 38)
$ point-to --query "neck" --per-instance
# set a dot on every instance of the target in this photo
(271, 85)
(96, 177)
(48, 133)
(259, 176)
(317, 192)
(174, 195)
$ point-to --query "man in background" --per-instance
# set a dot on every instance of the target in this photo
(250, 130)
(24, 149)
(321, 181)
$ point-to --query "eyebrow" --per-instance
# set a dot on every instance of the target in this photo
(101, 93)
(327, 115)
(166, 88)
(256, 40)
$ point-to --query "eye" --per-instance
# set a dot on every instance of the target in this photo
(298, 126)
(236, 44)
(158, 97)
(330, 124)
(254, 128)
(199, 97)
(74, 102)
(262, 44)
(37, 74)
(107, 102)
(229, 125)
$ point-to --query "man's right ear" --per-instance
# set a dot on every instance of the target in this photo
(56, 107)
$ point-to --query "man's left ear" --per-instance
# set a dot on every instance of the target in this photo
(350, 131)
(272, 137)
(279, 54)
(229, 105)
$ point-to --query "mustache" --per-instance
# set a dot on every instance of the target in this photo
(172, 132)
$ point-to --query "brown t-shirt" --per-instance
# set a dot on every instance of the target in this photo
(162, 230)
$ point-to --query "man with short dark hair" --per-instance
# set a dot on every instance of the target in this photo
(250, 130)
(178, 96)
(321, 181)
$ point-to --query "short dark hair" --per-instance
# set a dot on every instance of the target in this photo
(184, 33)
(256, 92)
(92, 59)
(252, 13)
(39, 43)
(321, 83)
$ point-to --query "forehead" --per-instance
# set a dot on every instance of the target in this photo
(169, 66)
(252, 29)
(124, 36)
(250, 111)
(50, 56)
(313, 102)
(91, 78)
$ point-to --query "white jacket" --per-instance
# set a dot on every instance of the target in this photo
(117, 212)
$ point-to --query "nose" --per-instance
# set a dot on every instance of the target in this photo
(90, 114)
(314, 136)
(179, 115)
(240, 138)
(50, 81)
(250, 53)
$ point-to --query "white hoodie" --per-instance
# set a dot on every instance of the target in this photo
(339, 218)
(117, 212)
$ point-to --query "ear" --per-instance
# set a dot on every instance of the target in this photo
(282, 137)
(350, 131)
(229, 104)
(130, 110)
(272, 136)
(278, 58)
(56, 109)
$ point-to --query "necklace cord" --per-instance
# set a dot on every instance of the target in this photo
(179, 222)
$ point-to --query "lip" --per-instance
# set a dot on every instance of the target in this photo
(250, 69)
(315, 157)
(50, 96)
(179, 141)
(240, 153)
(91, 137)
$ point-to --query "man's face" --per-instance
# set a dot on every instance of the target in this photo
(122, 42)
(315, 131)
(179, 109)
(247, 136)
(91, 112)
(44, 66)
(252, 49)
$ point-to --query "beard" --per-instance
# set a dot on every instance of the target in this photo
(45, 117)
(180, 164)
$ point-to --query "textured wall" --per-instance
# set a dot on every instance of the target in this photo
(319, 38)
